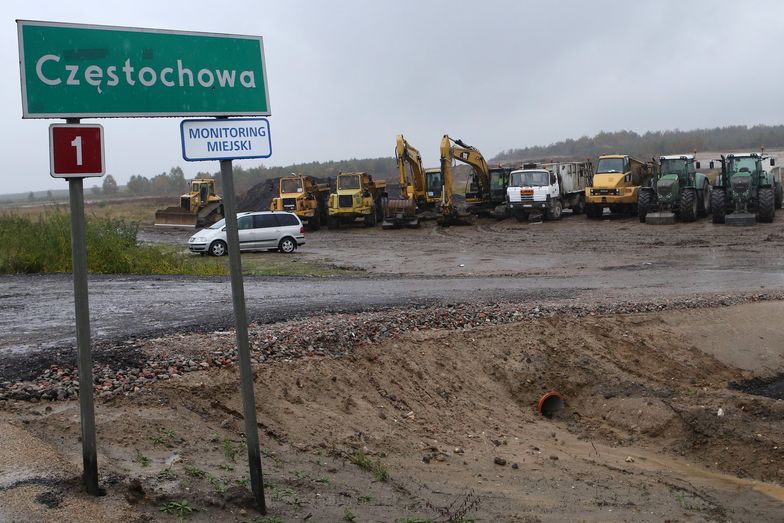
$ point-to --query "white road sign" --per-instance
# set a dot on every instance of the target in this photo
(230, 139)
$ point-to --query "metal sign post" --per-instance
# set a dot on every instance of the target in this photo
(82, 308)
(243, 348)
(82, 311)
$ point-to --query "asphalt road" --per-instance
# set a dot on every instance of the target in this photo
(36, 311)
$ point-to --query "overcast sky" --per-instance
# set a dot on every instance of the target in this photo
(346, 76)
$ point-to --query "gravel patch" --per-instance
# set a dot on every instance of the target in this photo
(127, 367)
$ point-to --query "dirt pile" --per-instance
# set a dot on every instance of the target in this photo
(259, 197)
(412, 423)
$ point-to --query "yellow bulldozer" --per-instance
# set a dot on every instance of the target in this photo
(304, 197)
(198, 208)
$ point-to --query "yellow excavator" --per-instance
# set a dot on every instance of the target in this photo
(478, 186)
(420, 189)
(198, 208)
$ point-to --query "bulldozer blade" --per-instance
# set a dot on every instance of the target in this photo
(175, 217)
(660, 218)
(740, 218)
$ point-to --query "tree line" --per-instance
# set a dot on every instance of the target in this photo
(653, 143)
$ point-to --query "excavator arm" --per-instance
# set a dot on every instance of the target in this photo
(412, 188)
(466, 154)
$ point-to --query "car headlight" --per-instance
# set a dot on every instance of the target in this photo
(199, 239)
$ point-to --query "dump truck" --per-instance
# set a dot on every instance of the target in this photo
(198, 208)
(616, 182)
(305, 197)
(744, 193)
(677, 190)
(356, 196)
(548, 188)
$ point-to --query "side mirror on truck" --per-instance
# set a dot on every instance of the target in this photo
(711, 164)
(772, 162)
(696, 165)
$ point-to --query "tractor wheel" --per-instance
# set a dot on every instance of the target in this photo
(779, 196)
(718, 205)
(767, 205)
(688, 205)
(643, 204)
(705, 203)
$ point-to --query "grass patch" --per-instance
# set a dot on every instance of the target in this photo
(361, 460)
(141, 459)
(43, 244)
(181, 509)
(195, 472)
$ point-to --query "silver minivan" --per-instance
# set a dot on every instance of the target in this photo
(266, 230)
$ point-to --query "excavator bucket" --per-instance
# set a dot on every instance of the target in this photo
(175, 217)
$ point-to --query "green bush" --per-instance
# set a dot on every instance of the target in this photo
(43, 244)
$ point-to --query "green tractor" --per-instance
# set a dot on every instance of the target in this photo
(744, 193)
(676, 190)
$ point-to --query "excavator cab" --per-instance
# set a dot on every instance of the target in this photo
(434, 183)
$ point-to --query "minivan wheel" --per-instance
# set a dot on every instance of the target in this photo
(218, 248)
(287, 245)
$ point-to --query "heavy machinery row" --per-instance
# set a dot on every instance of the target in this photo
(658, 191)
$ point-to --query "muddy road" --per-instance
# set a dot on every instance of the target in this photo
(574, 259)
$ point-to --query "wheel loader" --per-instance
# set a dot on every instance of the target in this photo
(357, 196)
(744, 193)
(198, 208)
(677, 190)
(305, 197)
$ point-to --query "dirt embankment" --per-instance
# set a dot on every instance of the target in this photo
(443, 421)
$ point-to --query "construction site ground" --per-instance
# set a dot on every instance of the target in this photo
(406, 391)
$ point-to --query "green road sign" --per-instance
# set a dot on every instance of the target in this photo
(79, 71)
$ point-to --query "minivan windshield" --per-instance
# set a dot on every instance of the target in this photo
(218, 225)
(530, 179)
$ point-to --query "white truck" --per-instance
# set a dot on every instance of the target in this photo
(548, 189)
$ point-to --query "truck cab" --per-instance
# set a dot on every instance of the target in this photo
(356, 195)
(531, 190)
(615, 184)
